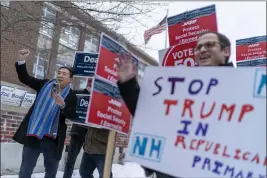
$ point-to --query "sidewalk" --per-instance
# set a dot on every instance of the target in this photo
(129, 170)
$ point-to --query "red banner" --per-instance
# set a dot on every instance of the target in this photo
(109, 51)
(106, 65)
(186, 27)
(184, 30)
(251, 51)
(107, 108)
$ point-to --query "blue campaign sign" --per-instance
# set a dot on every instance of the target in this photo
(85, 64)
(81, 108)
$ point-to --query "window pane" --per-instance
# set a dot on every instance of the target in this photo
(5, 3)
(39, 65)
(50, 17)
(94, 48)
(95, 41)
(91, 44)
(79, 83)
(47, 29)
(65, 55)
(70, 36)
(47, 25)
(44, 42)
(49, 12)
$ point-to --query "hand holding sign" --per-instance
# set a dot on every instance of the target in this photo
(23, 54)
(125, 67)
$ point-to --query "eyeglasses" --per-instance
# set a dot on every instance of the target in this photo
(207, 45)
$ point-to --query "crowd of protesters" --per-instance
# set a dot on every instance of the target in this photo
(43, 130)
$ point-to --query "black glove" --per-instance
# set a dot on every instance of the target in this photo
(148, 172)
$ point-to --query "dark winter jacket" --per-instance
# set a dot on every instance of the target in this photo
(78, 131)
(95, 140)
(68, 112)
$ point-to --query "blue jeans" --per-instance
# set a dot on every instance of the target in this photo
(89, 163)
(74, 150)
(30, 156)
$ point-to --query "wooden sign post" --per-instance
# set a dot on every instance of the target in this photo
(109, 153)
(102, 69)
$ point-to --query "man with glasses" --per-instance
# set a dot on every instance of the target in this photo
(212, 49)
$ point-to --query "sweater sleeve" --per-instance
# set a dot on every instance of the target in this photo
(130, 92)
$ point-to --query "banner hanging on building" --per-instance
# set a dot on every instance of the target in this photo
(6, 93)
(12, 96)
(251, 51)
(85, 63)
(109, 51)
(107, 108)
(189, 123)
(28, 100)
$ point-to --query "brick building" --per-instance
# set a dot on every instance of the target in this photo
(53, 34)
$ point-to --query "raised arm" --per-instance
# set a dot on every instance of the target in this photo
(128, 86)
(130, 92)
(23, 75)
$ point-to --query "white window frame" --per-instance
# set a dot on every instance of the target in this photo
(45, 25)
(71, 43)
(91, 37)
(5, 3)
(36, 66)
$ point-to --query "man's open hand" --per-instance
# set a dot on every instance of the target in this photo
(125, 68)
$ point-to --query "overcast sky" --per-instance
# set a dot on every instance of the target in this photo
(236, 20)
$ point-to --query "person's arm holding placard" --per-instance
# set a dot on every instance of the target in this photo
(127, 83)
(129, 89)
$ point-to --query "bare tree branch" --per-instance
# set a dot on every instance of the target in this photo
(114, 15)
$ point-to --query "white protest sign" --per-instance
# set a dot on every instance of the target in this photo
(201, 122)
(28, 100)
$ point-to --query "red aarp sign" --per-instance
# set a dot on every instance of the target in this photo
(107, 108)
(186, 27)
(184, 30)
(251, 51)
(109, 51)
